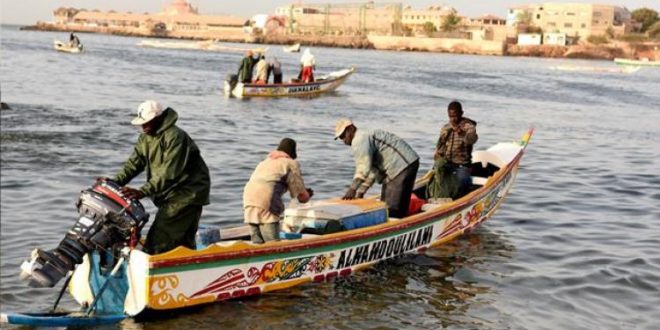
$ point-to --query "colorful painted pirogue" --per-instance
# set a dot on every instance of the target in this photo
(233, 269)
(323, 84)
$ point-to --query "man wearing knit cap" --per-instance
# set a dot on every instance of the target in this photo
(382, 157)
(262, 196)
(177, 178)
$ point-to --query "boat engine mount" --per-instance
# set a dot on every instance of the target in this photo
(107, 221)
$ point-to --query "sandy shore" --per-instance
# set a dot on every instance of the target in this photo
(616, 49)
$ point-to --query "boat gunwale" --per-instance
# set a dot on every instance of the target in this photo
(320, 82)
(342, 237)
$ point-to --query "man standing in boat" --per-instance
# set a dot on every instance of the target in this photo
(275, 68)
(453, 152)
(73, 40)
(262, 71)
(178, 180)
(262, 196)
(308, 64)
(246, 67)
(383, 157)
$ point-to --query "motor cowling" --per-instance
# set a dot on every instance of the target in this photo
(107, 222)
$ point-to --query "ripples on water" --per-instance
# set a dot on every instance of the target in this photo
(573, 247)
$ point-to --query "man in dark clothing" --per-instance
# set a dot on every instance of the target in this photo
(246, 67)
(177, 178)
(73, 40)
(275, 67)
(453, 152)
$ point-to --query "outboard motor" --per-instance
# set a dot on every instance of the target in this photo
(107, 221)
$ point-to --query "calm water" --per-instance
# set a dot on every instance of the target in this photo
(575, 245)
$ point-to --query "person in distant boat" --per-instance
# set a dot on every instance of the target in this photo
(453, 152)
(308, 64)
(246, 67)
(262, 71)
(73, 40)
(262, 195)
(275, 67)
(177, 179)
(383, 157)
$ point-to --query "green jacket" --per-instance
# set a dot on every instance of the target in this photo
(176, 172)
(245, 69)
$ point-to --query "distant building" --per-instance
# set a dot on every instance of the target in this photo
(572, 19)
(417, 18)
(487, 27)
(557, 39)
(178, 18)
(529, 39)
(342, 18)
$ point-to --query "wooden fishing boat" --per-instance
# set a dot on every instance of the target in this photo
(67, 47)
(295, 48)
(230, 269)
(226, 267)
(642, 62)
(323, 84)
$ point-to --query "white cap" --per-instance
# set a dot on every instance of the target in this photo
(146, 112)
(341, 126)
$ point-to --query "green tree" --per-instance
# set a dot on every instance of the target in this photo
(450, 22)
(429, 28)
(524, 17)
(646, 16)
(609, 32)
(654, 30)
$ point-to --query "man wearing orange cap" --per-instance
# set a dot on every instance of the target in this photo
(177, 180)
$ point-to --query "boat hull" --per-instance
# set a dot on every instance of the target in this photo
(292, 49)
(624, 61)
(226, 270)
(66, 48)
(332, 82)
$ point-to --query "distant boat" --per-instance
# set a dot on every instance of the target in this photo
(321, 85)
(67, 47)
(642, 62)
(293, 48)
(625, 69)
(208, 45)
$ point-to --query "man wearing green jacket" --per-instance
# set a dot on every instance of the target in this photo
(178, 180)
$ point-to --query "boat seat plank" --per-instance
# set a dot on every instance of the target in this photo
(234, 233)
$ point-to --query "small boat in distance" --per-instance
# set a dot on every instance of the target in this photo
(597, 69)
(323, 84)
(642, 62)
(208, 45)
(295, 48)
(67, 47)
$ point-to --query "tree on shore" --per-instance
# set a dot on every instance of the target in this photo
(450, 23)
(429, 29)
(524, 20)
(646, 16)
(654, 30)
(524, 17)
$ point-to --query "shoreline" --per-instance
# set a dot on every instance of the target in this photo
(608, 51)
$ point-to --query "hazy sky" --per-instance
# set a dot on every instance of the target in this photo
(30, 11)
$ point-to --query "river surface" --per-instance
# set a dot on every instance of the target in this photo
(576, 244)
